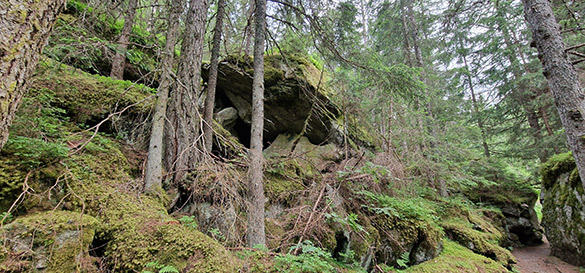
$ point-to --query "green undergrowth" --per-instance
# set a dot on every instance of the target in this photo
(478, 229)
(302, 258)
(137, 227)
(416, 219)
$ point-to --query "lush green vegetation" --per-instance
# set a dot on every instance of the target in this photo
(438, 124)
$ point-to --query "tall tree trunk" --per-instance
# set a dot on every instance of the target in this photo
(154, 172)
(212, 82)
(25, 26)
(256, 233)
(119, 61)
(562, 77)
(183, 112)
(248, 30)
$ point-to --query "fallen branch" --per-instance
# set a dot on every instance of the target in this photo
(310, 219)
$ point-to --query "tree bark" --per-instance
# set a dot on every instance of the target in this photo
(119, 60)
(154, 172)
(212, 82)
(25, 26)
(248, 29)
(562, 77)
(256, 233)
(183, 112)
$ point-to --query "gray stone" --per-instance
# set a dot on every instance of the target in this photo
(564, 219)
(293, 101)
(227, 118)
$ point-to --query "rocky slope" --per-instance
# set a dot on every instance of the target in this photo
(344, 207)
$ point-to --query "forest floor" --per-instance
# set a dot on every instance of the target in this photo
(537, 259)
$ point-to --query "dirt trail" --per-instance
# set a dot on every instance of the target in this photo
(536, 259)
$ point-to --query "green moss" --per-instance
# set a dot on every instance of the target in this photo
(555, 166)
(137, 227)
(11, 179)
(272, 75)
(282, 188)
(63, 236)
(362, 243)
(479, 241)
(405, 222)
(87, 97)
(455, 259)
(563, 207)
(138, 230)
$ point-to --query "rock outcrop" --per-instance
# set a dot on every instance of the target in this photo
(563, 213)
(295, 98)
(516, 201)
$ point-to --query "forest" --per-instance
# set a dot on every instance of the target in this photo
(292, 136)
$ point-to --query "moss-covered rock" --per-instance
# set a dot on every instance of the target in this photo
(421, 240)
(482, 231)
(563, 212)
(310, 159)
(137, 228)
(53, 241)
(131, 229)
(404, 225)
(11, 178)
(87, 96)
(481, 242)
(294, 101)
(88, 99)
(516, 200)
(456, 259)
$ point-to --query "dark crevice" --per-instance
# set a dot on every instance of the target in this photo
(97, 248)
(341, 245)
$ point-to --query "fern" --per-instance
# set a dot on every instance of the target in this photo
(403, 260)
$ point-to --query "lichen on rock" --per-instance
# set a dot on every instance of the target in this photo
(563, 209)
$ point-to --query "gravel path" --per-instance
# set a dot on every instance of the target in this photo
(536, 259)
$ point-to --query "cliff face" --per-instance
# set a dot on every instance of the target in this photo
(563, 213)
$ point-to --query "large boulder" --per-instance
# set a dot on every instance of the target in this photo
(516, 201)
(563, 213)
(53, 241)
(295, 97)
